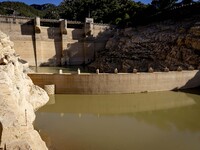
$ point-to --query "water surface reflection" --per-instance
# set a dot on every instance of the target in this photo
(153, 121)
(72, 69)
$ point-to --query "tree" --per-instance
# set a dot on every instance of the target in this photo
(163, 4)
(51, 13)
(187, 1)
(106, 11)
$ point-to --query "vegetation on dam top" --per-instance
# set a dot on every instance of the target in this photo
(119, 12)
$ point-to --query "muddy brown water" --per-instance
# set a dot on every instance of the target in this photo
(145, 121)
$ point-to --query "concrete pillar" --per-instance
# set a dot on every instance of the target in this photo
(97, 71)
(134, 70)
(179, 68)
(88, 47)
(89, 25)
(37, 42)
(166, 69)
(150, 70)
(116, 70)
(63, 28)
(79, 71)
(37, 25)
(190, 68)
(50, 89)
(60, 71)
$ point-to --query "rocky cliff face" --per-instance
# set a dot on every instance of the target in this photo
(159, 45)
(19, 98)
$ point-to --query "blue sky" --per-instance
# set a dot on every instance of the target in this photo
(144, 1)
(56, 2)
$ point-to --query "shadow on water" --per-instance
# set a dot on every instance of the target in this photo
(117, 104)
(160, 108)
(192, 86)
(195, 90)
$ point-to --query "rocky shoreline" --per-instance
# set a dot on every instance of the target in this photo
(171, 44)
(19, 99)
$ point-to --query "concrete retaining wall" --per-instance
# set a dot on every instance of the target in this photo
(118, 83)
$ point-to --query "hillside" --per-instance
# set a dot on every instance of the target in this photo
(19, 9)
(43, 7)
(170, 43)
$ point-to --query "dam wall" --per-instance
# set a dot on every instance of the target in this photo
(118, 83)
(46, 42)
(21, 32)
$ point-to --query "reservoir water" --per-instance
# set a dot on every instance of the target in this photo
(145, 121)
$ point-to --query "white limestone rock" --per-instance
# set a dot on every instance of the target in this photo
(19, 98)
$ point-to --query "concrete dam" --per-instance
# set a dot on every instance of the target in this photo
(44, 42)
(47, 42)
